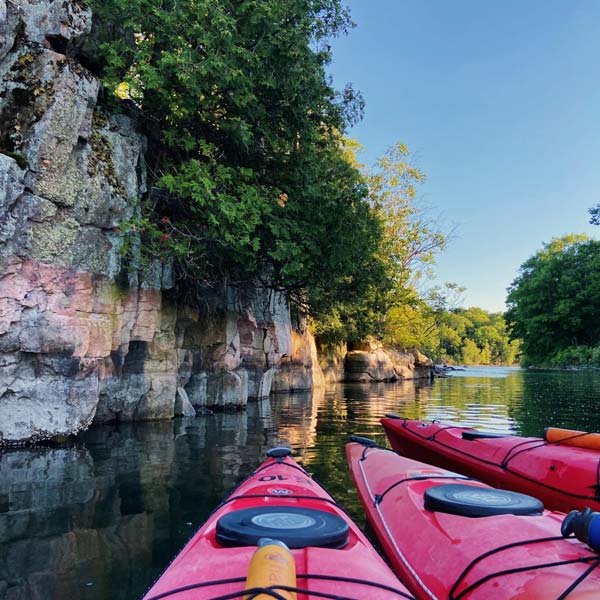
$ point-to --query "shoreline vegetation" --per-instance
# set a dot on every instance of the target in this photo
(567, 368)
(456, 336)
(554, 305)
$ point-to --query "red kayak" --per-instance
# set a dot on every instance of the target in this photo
(562, 477)
(281, 501)
(453, 538)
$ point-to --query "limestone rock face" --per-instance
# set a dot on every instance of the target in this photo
(52, 24)
(374, 362)
(66, 172)
(244, 347)
(84, 337)
(364, 366)
(183, 406)
(67, 21)
(300, 371)
(423, 366)
(46, 395)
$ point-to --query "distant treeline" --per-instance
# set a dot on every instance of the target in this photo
(452, 335)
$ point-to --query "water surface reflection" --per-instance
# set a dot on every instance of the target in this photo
(101, 519)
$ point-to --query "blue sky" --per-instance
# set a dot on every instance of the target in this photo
(500, 102)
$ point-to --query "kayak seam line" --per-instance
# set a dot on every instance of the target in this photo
(282, 497)
(402, 557)
(292, 466)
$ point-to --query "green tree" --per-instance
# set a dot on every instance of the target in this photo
(449, 349)
(411, 240)
(248, 178)
(470, 336)
(421, 322)
(413, 326)
(478, 316)
(390, 307)
(471, 354)
(554, 303)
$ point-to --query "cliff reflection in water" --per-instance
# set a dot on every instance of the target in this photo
(104, 518)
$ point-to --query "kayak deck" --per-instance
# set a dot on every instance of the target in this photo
(442, 556)
(206, 568)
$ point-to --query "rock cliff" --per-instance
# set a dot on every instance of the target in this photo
(81, 338)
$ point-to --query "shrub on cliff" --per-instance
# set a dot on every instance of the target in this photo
(248, 176)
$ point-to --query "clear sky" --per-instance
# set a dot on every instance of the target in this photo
(500, 101)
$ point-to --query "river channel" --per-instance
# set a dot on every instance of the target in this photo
(103, 517)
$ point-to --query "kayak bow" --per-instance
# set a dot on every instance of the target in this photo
(562, 477)
(281, 501)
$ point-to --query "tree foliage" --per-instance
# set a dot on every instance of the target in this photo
(407, 248)
(554, 303)
(447, 333)
(413, 325)
(476, 336)
(411, 239)
(248, 176)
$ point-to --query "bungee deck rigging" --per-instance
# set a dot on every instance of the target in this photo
(272, 590)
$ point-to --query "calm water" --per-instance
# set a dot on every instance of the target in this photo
(102, 518)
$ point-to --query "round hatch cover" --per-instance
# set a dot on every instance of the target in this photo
(475, 501)
(295, 526)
